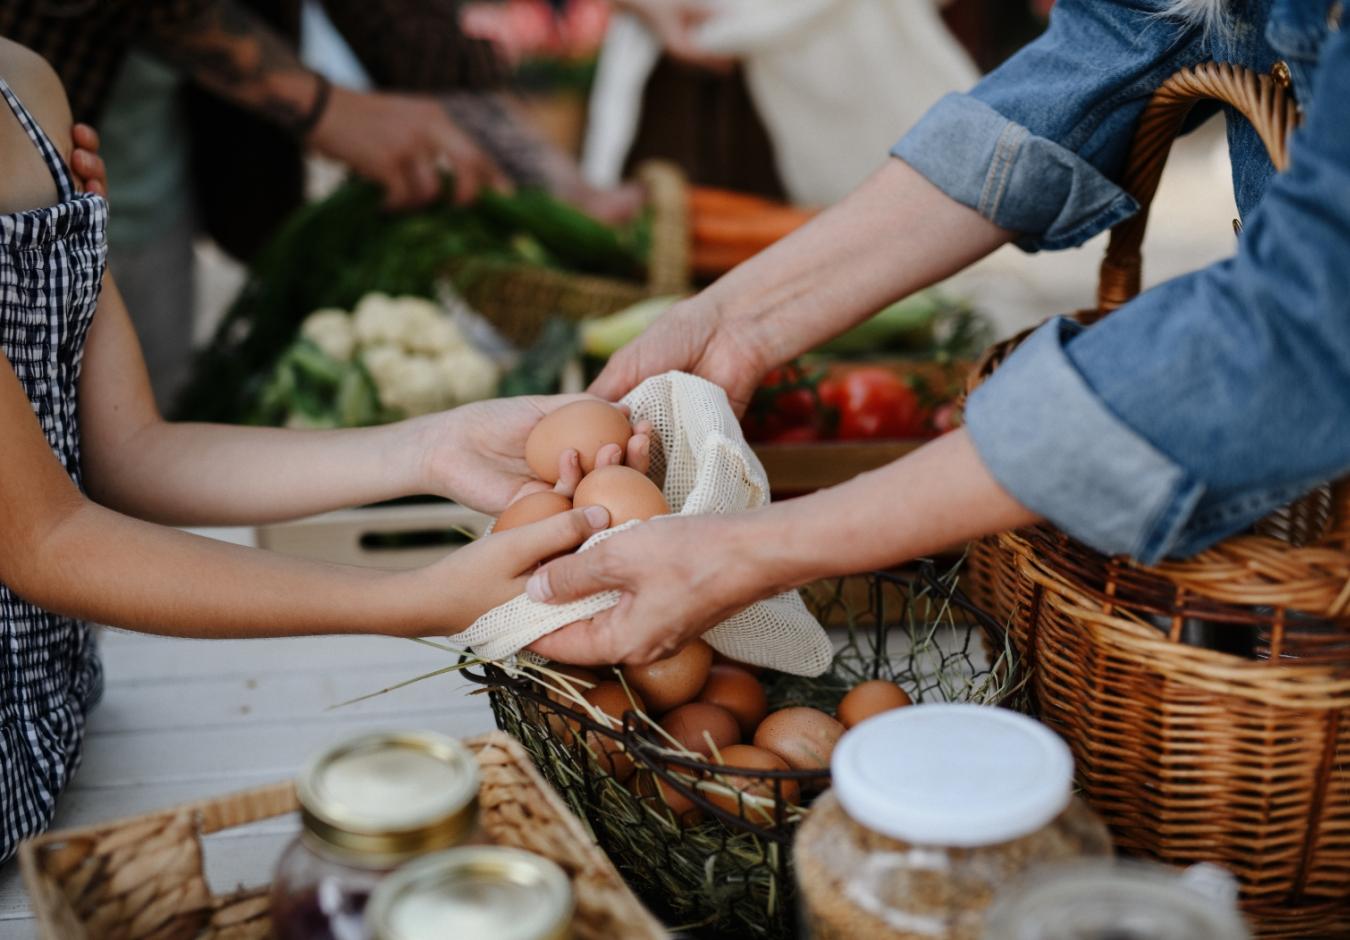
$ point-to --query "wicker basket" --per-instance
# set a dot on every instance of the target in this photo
(1205, 700)
(519, 298)
(142, 878)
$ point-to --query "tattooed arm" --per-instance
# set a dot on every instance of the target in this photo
(403, 142)
(230, 50)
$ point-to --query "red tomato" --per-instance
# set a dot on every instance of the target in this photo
(797, 405)
(873, 403)
(784, 402)
(801, 435)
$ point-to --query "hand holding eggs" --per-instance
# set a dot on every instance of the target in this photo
(532, 508)
(627, 494)
(589, 428)
(583, 426)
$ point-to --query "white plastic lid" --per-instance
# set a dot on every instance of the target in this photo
(957, 775)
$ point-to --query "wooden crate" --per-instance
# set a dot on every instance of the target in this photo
(143, 878)
(794, 469)
(378, 536)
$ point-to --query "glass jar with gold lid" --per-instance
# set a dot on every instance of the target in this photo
(493, 892)
(367, 806)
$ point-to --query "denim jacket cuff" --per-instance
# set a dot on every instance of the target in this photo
(1057, 448)
(1012, 177)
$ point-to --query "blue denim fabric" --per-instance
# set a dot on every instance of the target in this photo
(1210, 400)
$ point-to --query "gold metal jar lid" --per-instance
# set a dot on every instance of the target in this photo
(477, 891)
(390, 795)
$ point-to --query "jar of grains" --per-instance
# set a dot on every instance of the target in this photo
(933, 809)
(367, 806)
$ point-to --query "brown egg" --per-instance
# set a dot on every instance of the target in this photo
(612, 700)
(626, 493)
(804, 737)
(533, 508)
(694, 723)
(648, 786)
(738, 692)
(870, 698)
(583, 426)
(756, 800)
(728, 661)
(573, 680)
(674, 680)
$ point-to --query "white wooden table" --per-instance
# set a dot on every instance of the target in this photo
(186, 719)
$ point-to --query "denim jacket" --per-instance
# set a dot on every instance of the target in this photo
(1216, 397)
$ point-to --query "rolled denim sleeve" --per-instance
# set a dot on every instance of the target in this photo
(1210, 400)
(1060, 450)
(1037, 145)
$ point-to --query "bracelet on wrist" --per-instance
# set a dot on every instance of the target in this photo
(322, 93)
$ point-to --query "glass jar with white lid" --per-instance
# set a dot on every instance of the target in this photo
(367, 806)
(933, 809)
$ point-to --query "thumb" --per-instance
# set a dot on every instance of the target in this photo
(540, 541)
(585, 643)
(615, 379)
(573, 577)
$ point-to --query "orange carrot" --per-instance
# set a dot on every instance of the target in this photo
(713, 260)
(762, 228)
(709, 199)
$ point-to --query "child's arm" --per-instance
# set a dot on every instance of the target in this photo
(68, 554)
(198, 474)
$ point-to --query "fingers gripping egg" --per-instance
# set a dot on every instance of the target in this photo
(626, 493)
(532, 508)
(584, 426)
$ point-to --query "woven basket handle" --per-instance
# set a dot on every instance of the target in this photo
(1258, 98)
(668, 258)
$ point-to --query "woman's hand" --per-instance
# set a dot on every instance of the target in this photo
(679, 578)
(404, 143)
(841, 267)
(455, 591)
(475, 454)
(690, 337)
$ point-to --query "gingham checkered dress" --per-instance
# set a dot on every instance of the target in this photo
(51, 267)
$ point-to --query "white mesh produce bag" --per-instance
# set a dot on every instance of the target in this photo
(707, 468)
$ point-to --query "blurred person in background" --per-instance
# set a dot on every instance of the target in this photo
(783, 98)
(223, 155)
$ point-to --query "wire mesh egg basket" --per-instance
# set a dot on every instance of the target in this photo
(708, 846)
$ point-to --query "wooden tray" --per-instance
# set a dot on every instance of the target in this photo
(795, 469)
(142, 878)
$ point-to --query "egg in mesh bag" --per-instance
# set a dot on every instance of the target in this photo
(706, 467)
